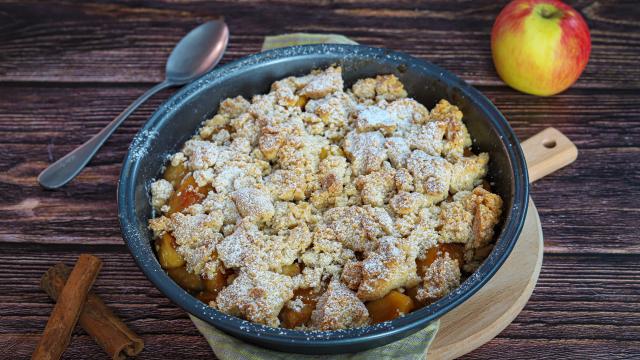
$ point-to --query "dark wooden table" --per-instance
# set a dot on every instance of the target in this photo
(67, 69)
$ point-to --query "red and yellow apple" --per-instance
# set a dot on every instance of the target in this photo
(540, 47)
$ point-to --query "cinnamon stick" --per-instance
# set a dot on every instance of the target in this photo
(65, 314)
(117, 340)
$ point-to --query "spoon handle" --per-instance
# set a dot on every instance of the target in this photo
(70, 165)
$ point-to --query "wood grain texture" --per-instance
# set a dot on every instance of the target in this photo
(605, 126)
(128, 41)
(580, 299)
(67, 68)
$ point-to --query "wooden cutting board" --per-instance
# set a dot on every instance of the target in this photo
(496, 304)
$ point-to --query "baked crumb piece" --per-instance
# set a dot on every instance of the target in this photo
(427, 137)
(266, 111)
(408, 111)
(285, 92)
(257, 296)
(376, 187)
(320, 83)
(389, 87)
(404, 180)
(282, 250)
(392, 265)
(339, 308)
(223, 203)
(241, 248)
(233, 107)
(431, 175)
(372, 118)
(333, 174)
(365, 150)
(456, 136)
(245, 126)
(161, 191)
(398, 151)
(196, 237)
(405, 224)
(202, 154)
(332, 112)
(404, 203)
(468, 172)
(425, 235)
(214, 126)
(442, 277)
(302, 153)
(359, 227)
(352, 274)
(287, 185)
(288, 215)
(324, 259)
(159, 226)
(193, 229)
(486, 208)
(386, 87)
(253, 203)
(365, 88)
(456, 220)
(470, 217)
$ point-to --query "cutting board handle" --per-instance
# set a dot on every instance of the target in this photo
(548, 151)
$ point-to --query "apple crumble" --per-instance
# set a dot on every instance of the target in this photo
(316, 207)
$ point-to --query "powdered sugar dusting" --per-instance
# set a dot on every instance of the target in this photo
(140, 143)
(396, 254)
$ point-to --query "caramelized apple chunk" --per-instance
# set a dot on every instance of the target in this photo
(297, 311)
(187, 194)
(168, 257)
(185, 279)
(174, 174)
(391, 306)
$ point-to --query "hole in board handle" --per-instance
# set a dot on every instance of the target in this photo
(549, 143)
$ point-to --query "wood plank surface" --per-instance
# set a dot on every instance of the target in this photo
(68, 68)
(128, 41)
(58, 122)
(576, 299)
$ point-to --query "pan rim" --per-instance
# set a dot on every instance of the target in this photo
(326, 341)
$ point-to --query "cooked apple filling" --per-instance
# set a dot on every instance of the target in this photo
(312, 207)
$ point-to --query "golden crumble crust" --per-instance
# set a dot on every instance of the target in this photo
(392, 265)
(256, 295)
(339, 308)
(441, 277)
(313, 187)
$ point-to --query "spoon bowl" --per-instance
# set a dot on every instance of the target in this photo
(198, 52)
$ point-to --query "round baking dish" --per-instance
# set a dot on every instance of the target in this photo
(179, 117)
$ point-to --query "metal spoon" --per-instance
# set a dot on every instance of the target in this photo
(196, 53)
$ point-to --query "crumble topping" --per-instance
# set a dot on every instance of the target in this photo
(349, 193)
(256, 295)
(339, 308)
(440, 278)
(392, 265)
(161, 190)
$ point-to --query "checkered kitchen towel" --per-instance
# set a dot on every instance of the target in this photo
(227, 347)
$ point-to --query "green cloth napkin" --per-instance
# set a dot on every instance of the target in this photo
(278, 41)
(226, 347)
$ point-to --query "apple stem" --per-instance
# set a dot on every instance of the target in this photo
(550, 13)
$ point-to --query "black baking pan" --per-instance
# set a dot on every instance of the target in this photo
(179, 117)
